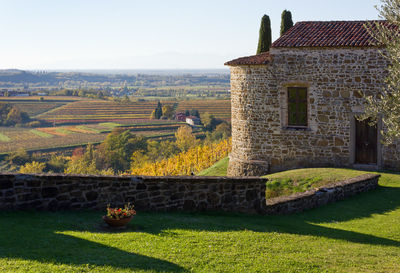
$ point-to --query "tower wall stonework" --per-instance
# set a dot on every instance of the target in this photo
(335, 79)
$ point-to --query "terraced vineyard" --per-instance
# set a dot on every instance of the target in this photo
(101, 111)
(79, 121)
(219, 108)
(74, 110)
(12, 139)
(42, 138)
(33, 106)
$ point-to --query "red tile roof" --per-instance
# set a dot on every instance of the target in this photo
(263, 58)
(327, 34)
(317, 34)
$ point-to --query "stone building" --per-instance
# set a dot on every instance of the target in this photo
(295, 106)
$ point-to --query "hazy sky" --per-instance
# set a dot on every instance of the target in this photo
(150, 34)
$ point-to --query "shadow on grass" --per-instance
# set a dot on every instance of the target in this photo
(34, 236)
(380, 201)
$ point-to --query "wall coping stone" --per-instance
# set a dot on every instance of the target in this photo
(131, 178)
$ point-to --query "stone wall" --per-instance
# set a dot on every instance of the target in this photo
(59, 192)
(244, 194)
(261, 140)
(327, 194)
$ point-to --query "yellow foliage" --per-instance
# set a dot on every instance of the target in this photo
(80, 166)
(185, 138)
(192, 161)
(34, 167)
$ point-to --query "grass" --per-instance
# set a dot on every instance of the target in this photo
(4, 138)
(110, 125)
(293, 181)
(90, 129)
(41, 134)
(63, 131)
(361, 234)
(218, 169)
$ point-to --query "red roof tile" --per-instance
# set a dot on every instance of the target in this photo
(327, 34)
(317, 34)
(258, 59)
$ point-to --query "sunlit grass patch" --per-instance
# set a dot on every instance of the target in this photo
(89, 129)
(218, 169)
(110, 124)
(41, 134)
(64, 131)
(293, 181)
(4, 138)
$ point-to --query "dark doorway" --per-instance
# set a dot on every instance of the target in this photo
(366, 143)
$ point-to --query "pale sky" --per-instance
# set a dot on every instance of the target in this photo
(149, 34)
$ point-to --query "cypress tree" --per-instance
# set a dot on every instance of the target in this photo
(264, 40)
(286, 21)
(158, 111)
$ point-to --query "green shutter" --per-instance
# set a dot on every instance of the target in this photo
(297, 106)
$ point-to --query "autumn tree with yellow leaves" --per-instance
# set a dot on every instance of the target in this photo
(188, 162)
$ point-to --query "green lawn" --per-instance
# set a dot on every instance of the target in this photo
(218, 169)
(301, 180)
(292, 181)
(361, 234)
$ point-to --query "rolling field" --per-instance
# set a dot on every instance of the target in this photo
(100, 111)
(43, 138)
(33, 106)
(219, 108)
(67, 110)
(12, 139)
(79, 121)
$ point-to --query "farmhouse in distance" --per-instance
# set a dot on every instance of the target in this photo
(296, 105)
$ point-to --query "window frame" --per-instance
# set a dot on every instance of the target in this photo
(298, 101)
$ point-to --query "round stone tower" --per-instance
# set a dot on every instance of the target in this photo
(249, 112)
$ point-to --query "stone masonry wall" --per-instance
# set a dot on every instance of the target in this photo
(59, 192)
(261, 139)
(247, 195)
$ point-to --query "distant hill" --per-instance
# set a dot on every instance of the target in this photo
(30, 80)
(10, 71)
(17, 76)
(149, 71)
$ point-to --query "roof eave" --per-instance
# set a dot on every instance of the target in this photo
(245, 64)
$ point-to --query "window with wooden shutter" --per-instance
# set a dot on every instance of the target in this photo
(297, 106)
